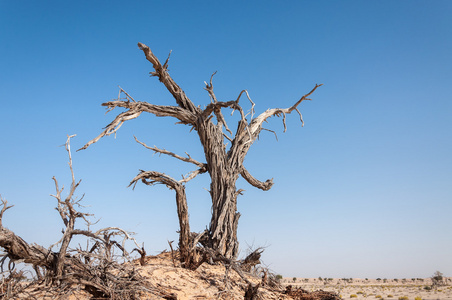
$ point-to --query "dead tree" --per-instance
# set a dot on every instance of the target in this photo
(224, 153)
(96, 268)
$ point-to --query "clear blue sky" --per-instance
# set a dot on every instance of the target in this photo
(364, 189)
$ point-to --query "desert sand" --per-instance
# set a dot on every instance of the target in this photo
(168, 281)
(382, 288)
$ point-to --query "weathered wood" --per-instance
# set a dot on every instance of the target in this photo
(95, 268)
(151, 178)
(223, 165)
(18, 249)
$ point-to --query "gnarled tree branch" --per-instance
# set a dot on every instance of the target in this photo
(265, 186)
(256, 125)
(135, 109)
(151, 178)
(162, 73)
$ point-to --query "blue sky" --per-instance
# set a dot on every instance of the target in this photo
(362, 190)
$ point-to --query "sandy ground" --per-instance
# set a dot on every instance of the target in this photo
(376, 289)
(215, 282)
(207, 282)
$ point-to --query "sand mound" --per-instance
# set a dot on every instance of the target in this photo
(164, 280)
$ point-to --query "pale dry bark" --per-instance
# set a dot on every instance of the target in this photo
(223, 164)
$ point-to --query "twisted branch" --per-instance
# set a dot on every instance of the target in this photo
(265, 186)
(134, 110)
(162, 73)
(151, 178)
(256, 125)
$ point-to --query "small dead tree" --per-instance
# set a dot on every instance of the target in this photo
(224, 152)
(97, 268)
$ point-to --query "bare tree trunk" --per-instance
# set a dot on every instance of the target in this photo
(223, 174)
(63, 250)
(152, 177)
(224, 220)
(184, 224)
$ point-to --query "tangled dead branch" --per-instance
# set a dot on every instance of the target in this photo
(101, 268)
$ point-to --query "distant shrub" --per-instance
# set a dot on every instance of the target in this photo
(403, 298)
(390, 296)
(418, 298)
(360, 293)
(278, 277)
(378, 296)
(353, 296)
(437, 279)
(427, 288)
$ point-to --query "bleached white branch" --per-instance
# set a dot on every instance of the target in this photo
(256, 125)
(193, 174)
(135, 109)
(128, 97)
